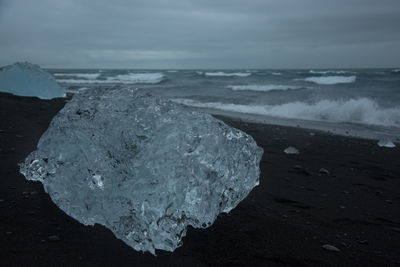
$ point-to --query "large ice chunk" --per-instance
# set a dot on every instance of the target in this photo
(142, 166)
(25, 79)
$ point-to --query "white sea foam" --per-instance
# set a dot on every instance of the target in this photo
(222, 74)
(71, 91)
(131, 78)
(89, 76)
(328, 71)
(262, 88)
(330, 80)
(396, 70)
(276, 73)
(80, 81)
(362, 110)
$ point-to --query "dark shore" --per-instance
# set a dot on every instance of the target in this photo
(285, 221)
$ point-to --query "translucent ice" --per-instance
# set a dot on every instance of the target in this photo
(386, 143)
(25, 79)
(142, 166)
(291, 150)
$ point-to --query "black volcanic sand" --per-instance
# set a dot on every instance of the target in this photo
(283, 222)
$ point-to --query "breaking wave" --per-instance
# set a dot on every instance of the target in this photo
(362, 110)
(89, 76)
(77, 91)
(137, 78)
(225, 74)
(131, 78)
(328, 71)
(330, 80)
(81, 81)
(263, 88)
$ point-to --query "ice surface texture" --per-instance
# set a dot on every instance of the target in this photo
(386, 143)
(291, 150)
(25, 79)
(142, 166)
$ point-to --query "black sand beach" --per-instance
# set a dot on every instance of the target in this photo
(285, 221)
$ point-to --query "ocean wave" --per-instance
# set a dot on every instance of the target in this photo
(396, 70)
(81, 81)
(89, 76)
(328, 71)
(331, 80)
(276, 73)
(362, 110)
(77, 91)
(131, 78)
(225, 74)
(262, 88)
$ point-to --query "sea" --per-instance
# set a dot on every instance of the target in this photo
(355, 102)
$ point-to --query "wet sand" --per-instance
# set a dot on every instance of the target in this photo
(285, 221)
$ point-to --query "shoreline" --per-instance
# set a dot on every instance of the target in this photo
(285, 221)
(361, 131)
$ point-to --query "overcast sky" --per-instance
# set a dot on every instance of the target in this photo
(201, 33)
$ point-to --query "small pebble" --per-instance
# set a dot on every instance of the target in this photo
(330, 248)
(396, 229)
(301, 170)
(324, 171)
(363, 242)
(53, 238)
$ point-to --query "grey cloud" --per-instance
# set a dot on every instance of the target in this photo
(201, 33)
